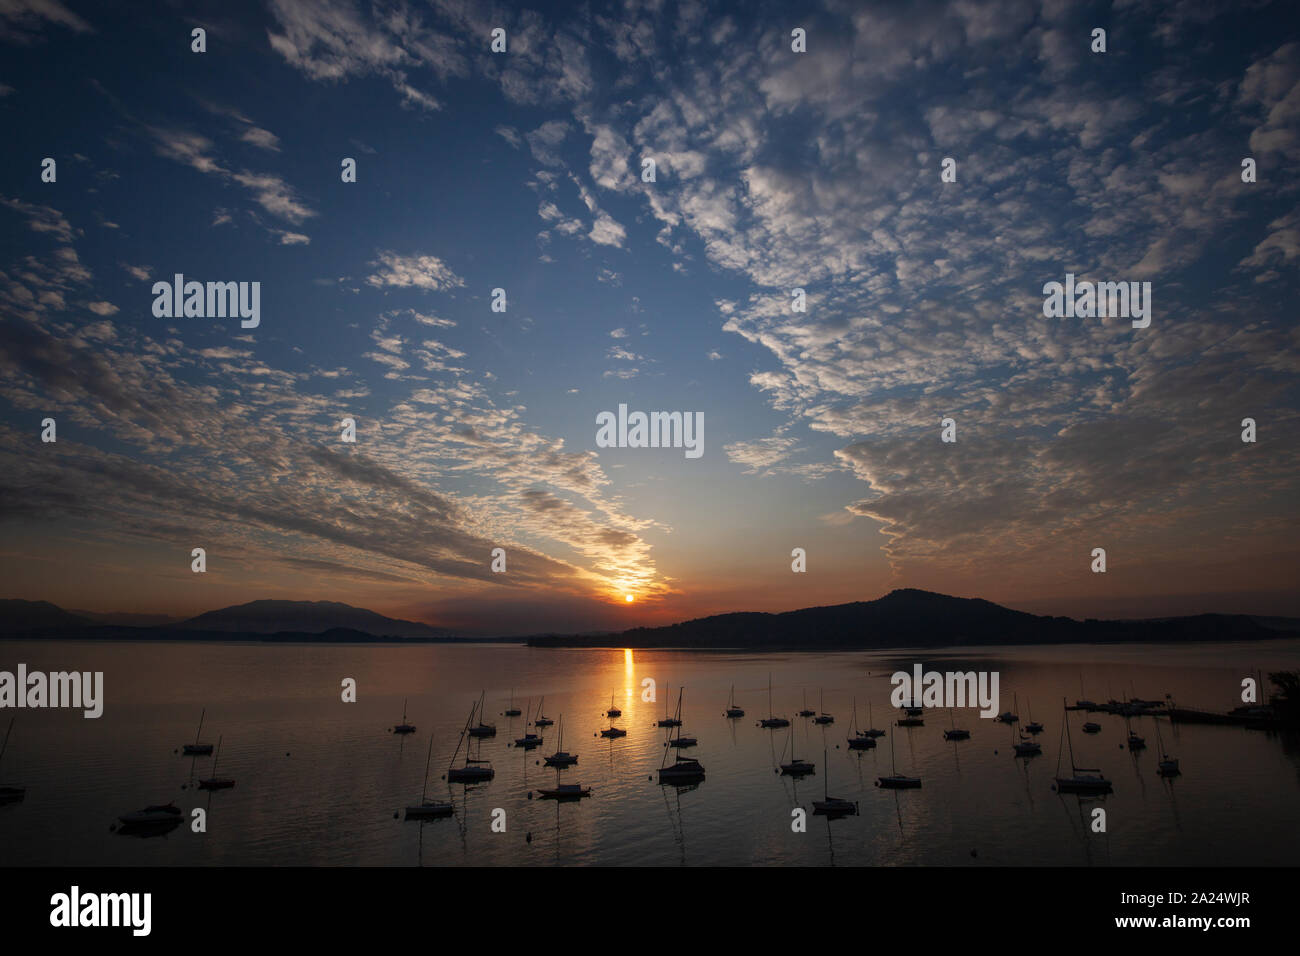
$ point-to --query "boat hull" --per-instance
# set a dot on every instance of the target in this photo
(430, 811)
(899, 783)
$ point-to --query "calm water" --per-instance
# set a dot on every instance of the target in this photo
(319, 781)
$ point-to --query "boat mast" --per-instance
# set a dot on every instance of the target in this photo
(217, 759)
(5, 745)
(425, 792)
(200, 733)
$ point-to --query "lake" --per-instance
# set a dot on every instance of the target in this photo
(318, 781)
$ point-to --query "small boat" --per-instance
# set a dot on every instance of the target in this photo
(911, 721)
(823, 717)
(771, 720)
(1091, 728)
(512, 710)
(613, 711)
(669, 721)
(473, 771)
(528, 741)
(1033, 727)
(152, 816)
(540, 720)
(896, 780)
(955, 733)
(1009, 716)
(861, 740)
(404, 727)
(1135, 742)
(915, 711)
(561, 757)
(1085, 780)
(427, 809)
(806, 712)
(481, 729)
(679, 740)
(872, 731)
(564, 791)
(732, 709)
(796, 767)
(10, 794)
(683, 769)
(197, 749)
(214, 782)
(830, 806)
(1027, 747)
(613, 732)
(1168, 766)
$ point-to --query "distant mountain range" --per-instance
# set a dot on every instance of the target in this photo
(902, 618)
(273, 620)
(909, 618)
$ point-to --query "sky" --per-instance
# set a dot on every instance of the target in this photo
(524, 171)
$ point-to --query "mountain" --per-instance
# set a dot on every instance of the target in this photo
(909, 617)
(17, 616)
(126, 618)
(307, 617)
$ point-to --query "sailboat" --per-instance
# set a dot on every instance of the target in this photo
(197, 749)
(512, 710)
(541, 720)
(955, 733)
(427, 809)
(896, 780)
(682, 769)
(561, 757)
(806, 712)
(1091, 728)
(564, 791)
(1027, 747)
(1083, 779)
(796, 767)
(770, 720)
(671, 721)
(473, 771)
(613, 711)
(680, 741)
(913, 718)
(611, 731)
(830, 806)
(1168, 766)
(732, 709)
(872, 731)
(1134, 741)
(214, 782)
(823, 717)
(10, 794)
(1010, 716)
(528, 741)
(861, 740)
(481, 729)
(158, 815)
(1033, 727)
(404, 727)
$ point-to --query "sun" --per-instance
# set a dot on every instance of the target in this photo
(628, 598)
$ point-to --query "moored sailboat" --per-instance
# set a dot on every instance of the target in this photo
(427, 809)
(896, 780)
(214, 782)
(771, 720)
(561, 757)
(860, 740)
(197, 749)
(1084, 780)
(830, 806)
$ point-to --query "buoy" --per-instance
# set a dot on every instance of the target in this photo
(528, 837)
(395, 814)
(530, 794)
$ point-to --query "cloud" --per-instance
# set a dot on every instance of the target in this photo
(413, 271)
